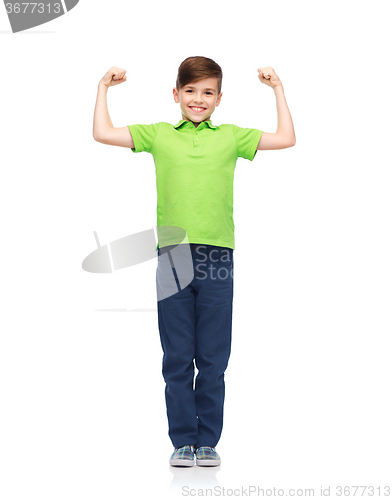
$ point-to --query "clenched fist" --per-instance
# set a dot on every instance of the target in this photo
(114, 76)
(268, 76)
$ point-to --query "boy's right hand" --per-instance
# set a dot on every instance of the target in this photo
(113, 77)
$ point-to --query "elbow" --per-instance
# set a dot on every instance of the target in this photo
(103, 136)
(291, 143)
(98, 133)
(97, 137)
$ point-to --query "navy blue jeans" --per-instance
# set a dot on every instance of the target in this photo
(195, 327)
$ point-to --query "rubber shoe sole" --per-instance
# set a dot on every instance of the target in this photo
(181, 462)
(205, 462)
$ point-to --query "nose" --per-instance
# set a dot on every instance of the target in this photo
(198, 99)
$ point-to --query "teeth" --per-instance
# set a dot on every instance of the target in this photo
(197, 109)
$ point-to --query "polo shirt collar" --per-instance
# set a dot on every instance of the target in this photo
(186, 121)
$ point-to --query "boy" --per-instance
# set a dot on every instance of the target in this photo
(195, 164)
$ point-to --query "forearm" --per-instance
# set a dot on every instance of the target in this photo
(102, 122)
(285, 123)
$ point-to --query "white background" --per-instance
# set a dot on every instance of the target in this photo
(309, 380)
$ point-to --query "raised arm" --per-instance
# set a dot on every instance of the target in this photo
(103, 130)
(284, 137)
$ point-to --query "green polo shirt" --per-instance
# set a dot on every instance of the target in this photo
(194, 169)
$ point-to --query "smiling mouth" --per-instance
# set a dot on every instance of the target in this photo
(197, 109)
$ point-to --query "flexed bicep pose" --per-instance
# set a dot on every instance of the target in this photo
(194, 164)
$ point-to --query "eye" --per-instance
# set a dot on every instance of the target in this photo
(209, 93)
(189, 90)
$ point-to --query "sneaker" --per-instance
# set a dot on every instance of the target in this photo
(207, 456)
(184, 456)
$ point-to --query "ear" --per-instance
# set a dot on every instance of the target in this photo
(175, 95)
(219, 99)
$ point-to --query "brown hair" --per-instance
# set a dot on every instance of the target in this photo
(193, 69)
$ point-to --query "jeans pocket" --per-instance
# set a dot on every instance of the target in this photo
(223, 256)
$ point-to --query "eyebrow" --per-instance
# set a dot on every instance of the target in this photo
(192, 87)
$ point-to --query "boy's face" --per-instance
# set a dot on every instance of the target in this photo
(198, 99)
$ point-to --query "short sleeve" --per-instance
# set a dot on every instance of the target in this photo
(246, 140)
(143, 136)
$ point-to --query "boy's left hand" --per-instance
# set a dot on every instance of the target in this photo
(269, 77)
